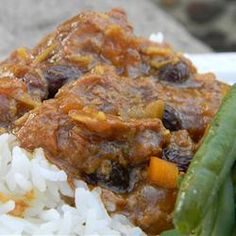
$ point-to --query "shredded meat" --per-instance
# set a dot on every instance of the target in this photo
(101, 101)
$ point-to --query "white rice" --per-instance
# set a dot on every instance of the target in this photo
(157, 37)
(22, 173)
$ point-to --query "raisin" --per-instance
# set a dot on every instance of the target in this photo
(171, 119)
(178, 72)
(58, 75)
(117, 180)
(180, 157)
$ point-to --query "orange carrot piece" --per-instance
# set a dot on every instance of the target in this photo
(163, 173)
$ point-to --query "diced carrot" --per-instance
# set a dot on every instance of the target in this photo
(163, 173)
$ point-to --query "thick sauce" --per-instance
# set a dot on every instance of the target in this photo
(101, 102)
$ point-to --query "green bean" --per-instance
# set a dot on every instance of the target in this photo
(179, 180)
(225, 215)
(234, 184)
(172, 232)
(209, 220)
(219, 220)
(209, 168)
(234, 233)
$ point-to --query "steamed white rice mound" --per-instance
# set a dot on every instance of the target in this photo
(31, 203)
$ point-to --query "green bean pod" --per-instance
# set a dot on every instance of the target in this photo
(234, 185)
(172, 232)
(225, 214)
(210, 167)
(234, 233)
(208, 222)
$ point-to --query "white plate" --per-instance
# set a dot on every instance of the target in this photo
(223, 65)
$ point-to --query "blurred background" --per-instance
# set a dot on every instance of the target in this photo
(211, 21)
(189, 25)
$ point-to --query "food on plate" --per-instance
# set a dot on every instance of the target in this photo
(117, 112)
(208, 172)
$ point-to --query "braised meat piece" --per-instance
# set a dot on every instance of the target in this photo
(89, 121)
(147, 206)
(151, 208)
(21, 89)
(94, 38)
(103, 90)
(192, 104)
